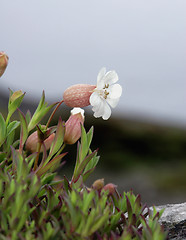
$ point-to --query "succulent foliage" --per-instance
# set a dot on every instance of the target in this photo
(37, 204)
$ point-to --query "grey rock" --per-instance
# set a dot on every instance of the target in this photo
(174, 220)
(173, 213)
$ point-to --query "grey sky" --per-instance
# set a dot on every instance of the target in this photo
(54, 44)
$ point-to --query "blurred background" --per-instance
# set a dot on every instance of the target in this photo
(54, 44)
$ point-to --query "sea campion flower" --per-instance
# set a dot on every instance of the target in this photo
(106, 93)
(3, 62)
(100, 97)
(73, 126)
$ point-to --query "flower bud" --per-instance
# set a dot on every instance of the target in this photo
(78, 95)
(98, 184)
(33, 140)
(110, 187)
(73, 126)
(3, 62)
(16, 95)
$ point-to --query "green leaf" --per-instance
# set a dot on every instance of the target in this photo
(28, 116)
(12, 127)
(24, 129)
(59, 136)
(40, 112)
(18, 164)
(9, 141)
(87, 199)
(67, 185)
(129, 209)
(14, 104)
(82, 151)
(90, 167)
(30, 160)
(45, 168)
(89, 136)
(2, 129)
(84, 145)
(101, 221)
(78, 171)
(2, 156)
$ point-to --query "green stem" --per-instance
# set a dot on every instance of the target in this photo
(7, 119)
(51, 116)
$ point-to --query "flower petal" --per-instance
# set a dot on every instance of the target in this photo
(95, 99)
(111, 77)
(107, 112)
(101, 73)
(100, 77)
(113, 102)
(115, 91)
(99, 110)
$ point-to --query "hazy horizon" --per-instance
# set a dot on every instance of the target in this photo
(52, 45)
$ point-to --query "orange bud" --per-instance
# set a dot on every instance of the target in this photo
(73, 126)
(78, 95)
(3, 62)
(110, 187)
(33, 140)
(98, 184)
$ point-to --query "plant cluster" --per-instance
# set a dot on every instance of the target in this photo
(35, 203)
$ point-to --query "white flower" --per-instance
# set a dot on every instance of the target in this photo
(106, 93)
(76, 110)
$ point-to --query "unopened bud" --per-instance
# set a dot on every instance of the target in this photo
(110, 187)
(16, 95)
(33, 140)
(78, 95)
(3, 62)
(73, 126)
(98, 184)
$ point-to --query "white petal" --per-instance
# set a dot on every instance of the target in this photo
(102, 110)
(113, 102)
(115, 91)
(76, 110)
(111, 77)
(99, 111)
(95, 108)
(94, 99)
(100, 77)
(107, 112)
(97, 115)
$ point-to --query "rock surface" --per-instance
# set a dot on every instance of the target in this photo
(174, 220)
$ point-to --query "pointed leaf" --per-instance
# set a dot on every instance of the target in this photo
(12, 127)
(28, 116)
(90, 166)
(89, 136)
(129, 208)
(84, 146)
(13, 105)
(59, 136)
(67, 185)
(2, 129)
(40, 112)
(54, 161)
(24, 129)
(82, 165)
